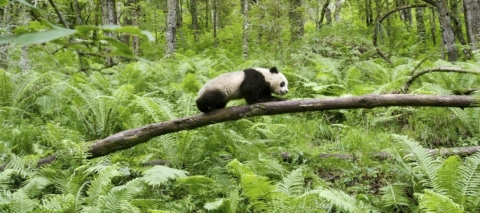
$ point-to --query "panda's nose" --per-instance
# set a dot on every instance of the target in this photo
(286, 91)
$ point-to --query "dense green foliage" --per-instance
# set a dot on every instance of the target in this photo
(237, 166)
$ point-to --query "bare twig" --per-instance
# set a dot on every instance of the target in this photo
(409, 82)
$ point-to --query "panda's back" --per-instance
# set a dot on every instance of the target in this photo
(227, 83)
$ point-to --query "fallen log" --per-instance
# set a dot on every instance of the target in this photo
(132, 137)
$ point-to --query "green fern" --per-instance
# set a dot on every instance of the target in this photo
(452, 178)
(292, 184)
(424, 166)
(395, 196)
(339, 199)
(119, 197)
(434, 202)
(57, 203)
(158, 175)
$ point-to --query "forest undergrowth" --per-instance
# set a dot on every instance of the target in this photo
(261, 164)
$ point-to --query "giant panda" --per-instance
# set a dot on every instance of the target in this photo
(255, 85)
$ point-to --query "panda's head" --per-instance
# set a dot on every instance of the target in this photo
(276, 80)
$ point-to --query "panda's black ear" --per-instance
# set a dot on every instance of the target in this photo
(273, 70)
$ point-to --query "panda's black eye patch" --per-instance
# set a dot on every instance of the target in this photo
(282, 84)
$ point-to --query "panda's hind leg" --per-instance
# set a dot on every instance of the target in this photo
(211, 101)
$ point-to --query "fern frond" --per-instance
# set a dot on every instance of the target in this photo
(292, 184)
(101, 183)
(339, 199)
(57, 203)
(425, 164)
(158, 109)
(17, 201)
(447, 179)
(258, 190)
(158, 175)
(433, 202)
(471, 180)
(119, 197)
(17, 164)
(214, 205)
(35, 184)
(394, 195)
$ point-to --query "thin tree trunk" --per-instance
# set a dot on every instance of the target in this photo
(207, 16)
(322, 14)
(135, 12)
(246, 25)
(296, 20)
(338, 9)
(180, 23)
(193, 12)
(171, 34)
(215, 21)
(448, 35)
(406, 14)
(457, 27)
(78, 13)
(472, 21)
(421, 31)
(368, 12)
(109, 17)
(433, 28)
(4, 50)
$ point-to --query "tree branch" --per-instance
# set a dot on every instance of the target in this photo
(379, 21)
(409, 82)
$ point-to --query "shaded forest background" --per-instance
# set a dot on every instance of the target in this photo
(73, 72)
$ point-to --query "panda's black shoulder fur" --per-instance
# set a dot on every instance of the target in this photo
(255, 89)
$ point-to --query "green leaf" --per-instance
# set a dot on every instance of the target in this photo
(133, 30)
(213, 205)
(37, 38)
(158, 175)
(26, 3)
(121, 48)
(431, 201)
(3, 3)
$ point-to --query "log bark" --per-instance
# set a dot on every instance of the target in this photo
(132, 137)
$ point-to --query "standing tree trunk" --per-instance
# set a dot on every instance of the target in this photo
(322, 14)
(421, 31)
(131, 18)
(296, 20)
(193, 12)
(5, 18)
(472, 21)
(338, 9)
(171, 34)
(206, 14)
(448, 35)
(406, 14)
(433, 28)
(215, 21)
(368, 13)
(109, 17)
(78, 12)
(457, 25)
(246, 24)
(180, 23)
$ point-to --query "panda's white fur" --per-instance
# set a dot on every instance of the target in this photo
(253, 84)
